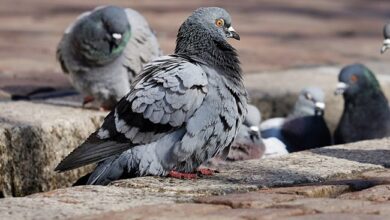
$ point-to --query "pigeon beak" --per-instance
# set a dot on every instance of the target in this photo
(254, 128)
(340, 89)
(320, 105)
(319, 108)
(254, 133)
(115, 40)
(117, 36)
(231, 33)
(386, 45)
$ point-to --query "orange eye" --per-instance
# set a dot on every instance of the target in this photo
(354, 78)
(219, 22)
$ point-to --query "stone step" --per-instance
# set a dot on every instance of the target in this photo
(34, 138)
(150, 197)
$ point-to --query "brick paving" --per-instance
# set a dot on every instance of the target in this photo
(276, 34)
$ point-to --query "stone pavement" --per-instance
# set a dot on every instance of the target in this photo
(342, 181)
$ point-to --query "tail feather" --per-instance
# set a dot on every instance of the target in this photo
(91, 151)
(107, 171)
(82, 181)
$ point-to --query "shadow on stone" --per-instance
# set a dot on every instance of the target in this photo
(377, 156)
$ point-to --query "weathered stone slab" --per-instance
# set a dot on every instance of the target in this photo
(313, 191)
(337, 216)
(54, 131)
(195, 211)
(34, 138)
(379, 193)
(259, 199)
(165, 212)
(304, 167)
(326, 205)
(78, 201)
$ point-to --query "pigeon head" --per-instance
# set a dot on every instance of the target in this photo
(101, 36)
(206, 32)
(386, 36)
(356, 79)
(310, 102)
(214, 22)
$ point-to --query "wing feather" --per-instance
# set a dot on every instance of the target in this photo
(152, 109)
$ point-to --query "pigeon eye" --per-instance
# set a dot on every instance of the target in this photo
(308, 96)
(219, 22)
(354, 78)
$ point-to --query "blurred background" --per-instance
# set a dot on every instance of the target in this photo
(275, 34)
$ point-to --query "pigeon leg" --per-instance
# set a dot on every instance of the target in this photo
(104, 108)
(88, 99)
(178, 175)
(206, 171)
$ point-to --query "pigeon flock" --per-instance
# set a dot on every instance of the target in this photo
(173, 115)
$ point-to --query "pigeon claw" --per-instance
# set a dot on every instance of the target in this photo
(206, 171)
(88, 99)
(104, 108)
(178, 175)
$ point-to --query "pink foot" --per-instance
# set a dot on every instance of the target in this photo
(206, 171)
(104, 109)
(178, 175)
(88, 99)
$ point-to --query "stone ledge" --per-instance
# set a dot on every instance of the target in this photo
(367, 159)
(34, 138)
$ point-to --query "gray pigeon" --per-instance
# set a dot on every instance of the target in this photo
(305, 127)
(248, 143)
(182, 109)
(103, 50)
(386, 36)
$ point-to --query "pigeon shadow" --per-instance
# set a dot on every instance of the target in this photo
(377, 156)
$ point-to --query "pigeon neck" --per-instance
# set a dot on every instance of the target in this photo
(302, 111)
(210, 50)
(374, 100)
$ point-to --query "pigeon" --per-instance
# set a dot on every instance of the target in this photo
(366, 112)
(386, 36)
(305, 127)
(248, 143)
(182, 109)
(103, 51)
(274, 148)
